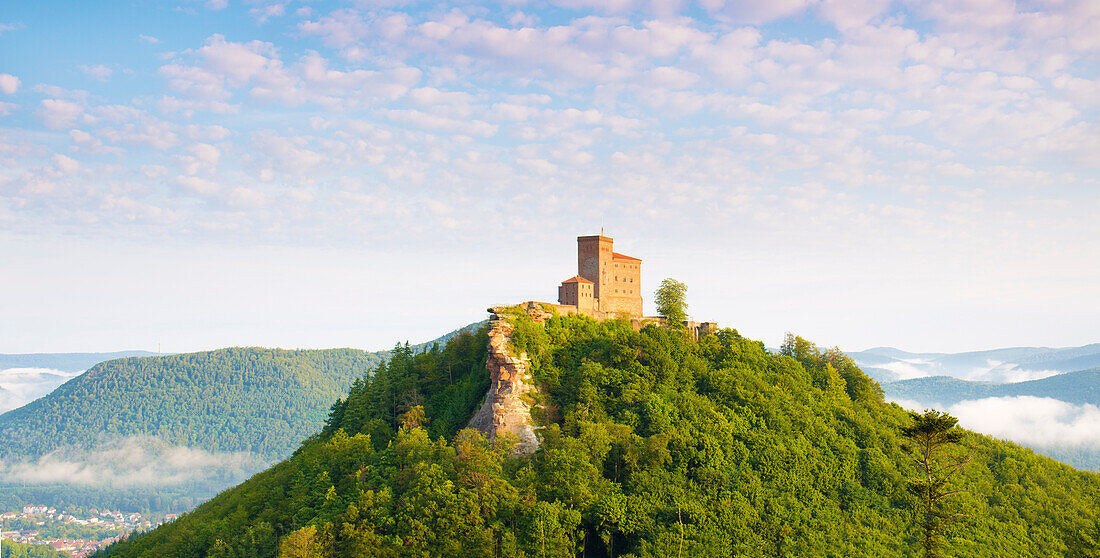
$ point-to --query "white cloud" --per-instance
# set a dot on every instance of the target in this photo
(67, 165)
(212, 132)
(388, 84)
(201, 157)
(99, 71)
(755, 11)
(56, 113)
(912, 117)
(137, 461)
(196, 185)
(5, 27)
(196, 83)
(267, 11)
(612, 6)
(288, 153)
(256, 67)
(846, 14)
(9, 84)
(246, 197)
(149, 39)
(456, 103)
(188, 107)
(206, 153)
(153, 133)
(61, 93)
(906, 370)
(240, 62)
(426, 121)
(966, 14)
(7, 108)
(671, 78)
(1034, 421)
(340, 28)
(217, 5)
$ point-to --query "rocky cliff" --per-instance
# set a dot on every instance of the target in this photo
(507, 406)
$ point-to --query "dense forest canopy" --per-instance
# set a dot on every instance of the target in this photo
(241, 399)
(652, 445)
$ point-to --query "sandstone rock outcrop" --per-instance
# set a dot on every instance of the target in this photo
(507, 407)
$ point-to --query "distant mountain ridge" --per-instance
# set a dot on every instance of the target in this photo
(1063, 382)
(1079, 387)
(1013, 364)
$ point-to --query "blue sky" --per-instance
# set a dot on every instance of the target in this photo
(313, 174)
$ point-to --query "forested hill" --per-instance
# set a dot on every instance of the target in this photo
(240, 399)
(652, 445)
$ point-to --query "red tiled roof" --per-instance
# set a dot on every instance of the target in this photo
(577, 279)
(618, 256)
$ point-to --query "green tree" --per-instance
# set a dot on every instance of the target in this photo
(933, 435)
(670, 301)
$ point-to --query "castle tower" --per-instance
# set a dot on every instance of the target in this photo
(616, 278)
(594, 260)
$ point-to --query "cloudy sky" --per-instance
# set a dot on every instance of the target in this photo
(200, 174)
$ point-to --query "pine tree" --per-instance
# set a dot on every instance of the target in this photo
(933, 435)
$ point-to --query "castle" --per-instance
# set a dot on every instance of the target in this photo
(607, 283)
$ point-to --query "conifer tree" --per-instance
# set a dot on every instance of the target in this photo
(933, 435)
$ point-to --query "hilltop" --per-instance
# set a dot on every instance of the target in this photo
(650, 444)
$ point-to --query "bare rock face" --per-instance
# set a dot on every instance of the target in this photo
(506, 410)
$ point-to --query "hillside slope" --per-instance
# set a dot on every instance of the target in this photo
(652, 445)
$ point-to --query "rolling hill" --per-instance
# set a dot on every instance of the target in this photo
(161, 432)
(1079, 387)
